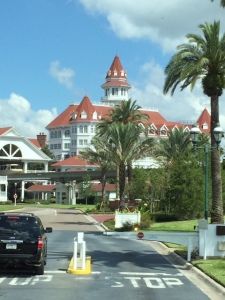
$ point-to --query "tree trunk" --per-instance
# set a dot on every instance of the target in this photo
(122, 180)
(103, 186)
(217, 203)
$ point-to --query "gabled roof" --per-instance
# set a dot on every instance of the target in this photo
(35, 142)
(204, 119)
(66, 117)
(73, 161)
(5, 129)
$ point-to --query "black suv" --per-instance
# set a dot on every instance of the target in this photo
(23, 241)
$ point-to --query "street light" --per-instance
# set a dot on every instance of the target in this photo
(218, 134)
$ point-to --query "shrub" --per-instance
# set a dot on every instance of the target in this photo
(8, 202)
(145, 221)
(163, 217)
(127, 226)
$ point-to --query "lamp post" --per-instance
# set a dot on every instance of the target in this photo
(218, 134)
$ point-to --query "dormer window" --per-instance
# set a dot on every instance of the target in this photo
(205, 126)
(115, 73)
(109, 72)
(95, 116)
(74, 115)
(83, 115)
(122, 73)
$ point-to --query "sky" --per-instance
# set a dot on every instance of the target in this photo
(54, 52)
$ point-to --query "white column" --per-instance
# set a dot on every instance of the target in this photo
(22, 191)
(25, 167)
(46, 167)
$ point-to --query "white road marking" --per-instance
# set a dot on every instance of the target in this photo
(150, 274)
(55, 272)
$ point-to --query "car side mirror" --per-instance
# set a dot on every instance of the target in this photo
(48, 229)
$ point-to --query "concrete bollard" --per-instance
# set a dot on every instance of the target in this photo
(79, 246)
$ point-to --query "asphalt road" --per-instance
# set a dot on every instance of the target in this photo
(121, 268)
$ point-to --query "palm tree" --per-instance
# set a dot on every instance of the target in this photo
(126, 112)
(222, 3)
(99, 154)
(126, 145)
(203, 58)
(176, 147)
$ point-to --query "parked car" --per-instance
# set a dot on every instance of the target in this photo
(23, 241)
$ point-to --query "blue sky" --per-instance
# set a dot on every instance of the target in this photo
(53, 52)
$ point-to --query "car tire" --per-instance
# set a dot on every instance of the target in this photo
(40, 269)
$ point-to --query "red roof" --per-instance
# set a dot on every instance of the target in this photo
(116, 66)
(65, 118)
(35, 142)
(41, 188)
(204, 119)
(108, 187)
(3, 130)
(115, 83)
(73, 161)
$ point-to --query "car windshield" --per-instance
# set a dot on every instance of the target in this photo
(19, 225)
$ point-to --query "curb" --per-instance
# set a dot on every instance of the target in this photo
(200, 274)
(87, 269)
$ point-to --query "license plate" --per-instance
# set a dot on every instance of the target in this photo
(11, 246)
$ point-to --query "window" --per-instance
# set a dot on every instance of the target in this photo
(55, 134)
(115, 73)
(55, 146)
(75, 129)
(106, 92)
(85, 129)
(52, 135)
(95, 115)
(51, 146)
(58, 157)
(81, 129)
(66, 145)
(85, 142)
(66, 156)
(113, 91)
(92, 129)
(116, 91)
(81, 142)
(59, 146)
(74, 142)
(83, 115)
(67, 133)
(59, 134)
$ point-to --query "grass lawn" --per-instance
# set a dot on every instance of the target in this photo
(51, 205)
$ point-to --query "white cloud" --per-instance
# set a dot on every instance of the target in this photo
(165, 23)
(63, 75)
(16, 111)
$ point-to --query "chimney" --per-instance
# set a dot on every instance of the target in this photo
(42, 139)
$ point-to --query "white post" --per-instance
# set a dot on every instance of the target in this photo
(189, 249)
(83, 257)
(204, 243)
(75, 255)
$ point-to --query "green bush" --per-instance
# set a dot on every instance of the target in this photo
(145, 221)
(127, 226)
(8, 202)
(163, 217)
